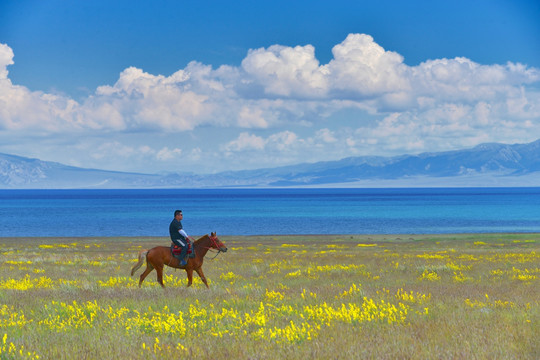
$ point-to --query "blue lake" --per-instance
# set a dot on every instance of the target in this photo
(59, 213)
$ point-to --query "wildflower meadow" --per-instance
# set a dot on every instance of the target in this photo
(287, 297)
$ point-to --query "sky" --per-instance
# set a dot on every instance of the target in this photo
(207, 86)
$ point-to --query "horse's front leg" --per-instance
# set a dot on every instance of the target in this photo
(189, 272)
(201, 275)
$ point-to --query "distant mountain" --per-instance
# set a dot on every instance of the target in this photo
(484, 165)
(493, 160)
(21, 172)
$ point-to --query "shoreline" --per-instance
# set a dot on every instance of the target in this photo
(297, 237)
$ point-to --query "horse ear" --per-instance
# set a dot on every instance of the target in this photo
(213, 234)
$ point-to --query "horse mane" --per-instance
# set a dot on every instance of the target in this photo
(199, 241)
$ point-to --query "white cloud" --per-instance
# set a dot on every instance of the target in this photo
(483, 113)
(246, 141)
(282, 140)
(361, 68)
(167, 154)
(361, 71)
(286, 71)
(366, 100)
(22, 109)
(6, 58)
(150, 101)
(250, 142)
(251, 117)
(325, 135)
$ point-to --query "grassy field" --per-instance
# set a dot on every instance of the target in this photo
(288, 297)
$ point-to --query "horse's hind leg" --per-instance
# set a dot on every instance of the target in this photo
(149, 268)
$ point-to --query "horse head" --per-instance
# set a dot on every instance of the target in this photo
(217, 244)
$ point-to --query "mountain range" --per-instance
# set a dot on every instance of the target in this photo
(490, 164)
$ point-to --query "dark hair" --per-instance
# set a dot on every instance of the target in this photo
(177, 212)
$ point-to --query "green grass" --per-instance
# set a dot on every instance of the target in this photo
(289, 297)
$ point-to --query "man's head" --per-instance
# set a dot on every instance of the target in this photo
(178, 215)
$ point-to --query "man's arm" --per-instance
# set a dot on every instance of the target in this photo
(183, 233)
(178, 242)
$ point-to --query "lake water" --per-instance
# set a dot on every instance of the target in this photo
(60, 213)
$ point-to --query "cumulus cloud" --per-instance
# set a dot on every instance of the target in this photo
(6, 58)
(246, 141)
(286, 71)
(362, 68)
(151, 101)
(282, 140)
(461, 79)
(365, 97)
(22, 109)
(251, 117)
(270, 86)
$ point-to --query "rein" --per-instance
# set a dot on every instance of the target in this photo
(215, 256)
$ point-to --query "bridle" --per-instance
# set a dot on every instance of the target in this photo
(216, 246)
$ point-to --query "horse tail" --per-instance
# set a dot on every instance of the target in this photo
(142, 256)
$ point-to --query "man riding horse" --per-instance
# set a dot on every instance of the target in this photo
(179, 237)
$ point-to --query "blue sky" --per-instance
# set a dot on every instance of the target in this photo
(205, 86)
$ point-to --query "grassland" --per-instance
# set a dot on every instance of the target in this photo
(288, 297)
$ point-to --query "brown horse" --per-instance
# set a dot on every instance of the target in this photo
(159, 256)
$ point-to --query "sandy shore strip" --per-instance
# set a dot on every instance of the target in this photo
(276, 239)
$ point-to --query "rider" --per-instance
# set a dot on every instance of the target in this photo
(178, 236)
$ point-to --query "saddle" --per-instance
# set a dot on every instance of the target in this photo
(177, 251)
